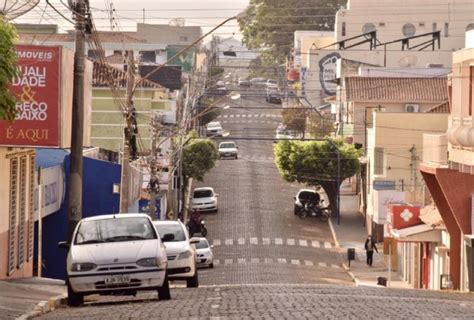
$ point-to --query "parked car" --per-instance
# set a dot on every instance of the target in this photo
(204, 199)
(204, 255)
(271, 84)
(282, 133)
(273, 97)
(228, 149)
(214, 129)
(304, 195)
(243, 82)
(181, 254)
(258, 81)
(116, 254)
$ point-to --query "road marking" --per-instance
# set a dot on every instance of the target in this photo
(327, 245)
(303, 243)
(268, 260)
(254, 260)
(216, 242)
(278, 241)
(308, 263)
(322, 264)
(290, 242)
(237, 115)
(241, 260)
(253, 241)
(229, 242)
(241, 241)
(266, 241)
(281, 260)
(228, 261)
(315, 244)
(295, 262)
(216, 262)
(335, 266)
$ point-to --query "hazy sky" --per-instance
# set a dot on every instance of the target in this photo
(204, 13)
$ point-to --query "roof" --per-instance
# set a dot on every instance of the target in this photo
(418, 233)
(396, 89)
(119, 37)
(117, 216)
(103, 74)
(440, 108)
(104, 36)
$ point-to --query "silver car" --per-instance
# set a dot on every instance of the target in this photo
(204, 255)
(116, 254)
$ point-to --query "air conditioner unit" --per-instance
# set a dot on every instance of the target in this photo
(412, 108)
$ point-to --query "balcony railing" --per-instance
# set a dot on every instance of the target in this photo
(435, 149)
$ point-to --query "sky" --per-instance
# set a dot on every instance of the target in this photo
(204, 13)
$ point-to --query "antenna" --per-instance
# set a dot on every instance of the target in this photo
(11, 9)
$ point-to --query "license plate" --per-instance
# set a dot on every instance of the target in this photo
(117, 279)
(202, 260)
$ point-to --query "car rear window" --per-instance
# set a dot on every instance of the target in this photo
(202, 194)
(174, 229)
(202, 244)
(227, 145)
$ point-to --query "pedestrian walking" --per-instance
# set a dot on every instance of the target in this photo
(369, 248)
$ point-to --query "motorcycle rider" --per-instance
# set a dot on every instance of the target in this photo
(195, 220)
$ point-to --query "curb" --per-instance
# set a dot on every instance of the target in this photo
(45, 306)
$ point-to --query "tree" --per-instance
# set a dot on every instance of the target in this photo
(271, 23)
(315, 163)
(199, 156)
(8, 69)
(294, 119)
(319, 126)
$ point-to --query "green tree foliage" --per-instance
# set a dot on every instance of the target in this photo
(215, 71)
(199, 156)
(295, 119)
(318, 126)
(271, 23)
(315, 163)
(8, 69)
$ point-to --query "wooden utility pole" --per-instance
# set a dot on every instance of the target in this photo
(129, 131)
(77, 134)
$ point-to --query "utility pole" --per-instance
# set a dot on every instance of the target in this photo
(77, 134)
(153, 185)
(129, 131)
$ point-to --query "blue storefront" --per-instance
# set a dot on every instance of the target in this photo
(99, 177)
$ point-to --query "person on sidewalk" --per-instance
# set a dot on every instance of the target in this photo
(369, 248)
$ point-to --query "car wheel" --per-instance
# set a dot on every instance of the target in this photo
(296, 210)
(194, 281)
(204, 232)
(164, 290)
(74, 299)
(236, 157)
(211, 266)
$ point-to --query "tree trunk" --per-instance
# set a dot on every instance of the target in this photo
(331, 187)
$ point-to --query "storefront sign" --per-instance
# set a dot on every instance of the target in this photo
(327, 73)
(403, 216)
(384, 185)
(37, 91)
(382, 200)
(303, 75)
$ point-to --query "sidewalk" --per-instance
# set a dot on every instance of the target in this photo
(21, 298)
(351, 233)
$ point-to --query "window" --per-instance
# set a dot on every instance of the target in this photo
(446, 30)
(421, 24)
(343, 29)
(183, 38)
(148, 56)
(435, 26)
(471, 84)
(408, 30)
(94, 54)
(31, 235)
(381, 24)
(22, 213)
(378, 161)
(12, 228)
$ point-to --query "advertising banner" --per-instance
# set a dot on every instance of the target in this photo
(37, 91)
(403, 216)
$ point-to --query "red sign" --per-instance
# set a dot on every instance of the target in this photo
(403, 216)
(37, 91)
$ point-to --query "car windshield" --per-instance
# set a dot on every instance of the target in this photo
(227, 145)
(202, 194)
(174, 229)
(202, 244)
(214, 125)
(309, 196)
(114, 230)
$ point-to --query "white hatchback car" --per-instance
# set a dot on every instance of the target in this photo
(181, 254)
(204, 199)
(204, 255)
(115, 254)
(214, 129)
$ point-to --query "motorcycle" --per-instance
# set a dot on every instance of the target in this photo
(200, 227)
(313, 210)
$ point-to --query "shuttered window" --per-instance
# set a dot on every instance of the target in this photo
(12, 232)
(22, 212)
(31, 219)
(378, 161)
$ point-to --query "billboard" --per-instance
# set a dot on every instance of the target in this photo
(37, 92)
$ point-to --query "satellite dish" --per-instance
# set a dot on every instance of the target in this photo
(11, 9)
(177, 22)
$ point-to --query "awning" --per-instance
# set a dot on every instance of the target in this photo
(419, 233)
